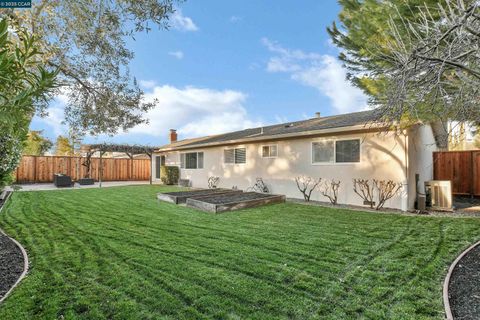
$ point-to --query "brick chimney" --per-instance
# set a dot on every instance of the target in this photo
(173, 135)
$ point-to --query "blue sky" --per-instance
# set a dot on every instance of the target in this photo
(229, 65)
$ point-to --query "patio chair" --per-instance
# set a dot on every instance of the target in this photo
(60, 180)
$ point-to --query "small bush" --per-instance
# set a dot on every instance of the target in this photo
(169, 174)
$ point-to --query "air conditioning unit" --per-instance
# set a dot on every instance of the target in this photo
(439, 194)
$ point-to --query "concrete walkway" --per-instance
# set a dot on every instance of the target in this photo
(51, 186)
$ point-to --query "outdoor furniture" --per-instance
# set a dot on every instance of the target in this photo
(60, 180)
(86, 181)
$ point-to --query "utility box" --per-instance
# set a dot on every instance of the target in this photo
(439, 195)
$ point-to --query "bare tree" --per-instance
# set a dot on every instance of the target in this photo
(383, 189)
(330, 190)
(306, 185)
(435, 65)
(386, 189)
(365, 190)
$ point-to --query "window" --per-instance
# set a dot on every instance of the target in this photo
(322, 151)
(269, 151)
(347, 150)
(339, 151)
(191, 160)
(235, 156)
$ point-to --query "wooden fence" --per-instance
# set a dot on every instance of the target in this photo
(462, 168)
(34, 169)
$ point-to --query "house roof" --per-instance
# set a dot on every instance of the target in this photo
(288, 129)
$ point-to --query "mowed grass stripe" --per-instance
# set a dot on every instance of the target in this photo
(117, 253)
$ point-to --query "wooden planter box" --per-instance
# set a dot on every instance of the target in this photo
(181, 196)
(222, 203)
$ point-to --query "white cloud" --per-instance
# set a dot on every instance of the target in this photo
(147, 84)
(176, 54)
(55, 116)
(195, 112)
(322, 72)
(180, 22)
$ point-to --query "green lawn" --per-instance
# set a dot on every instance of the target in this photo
(116, 253)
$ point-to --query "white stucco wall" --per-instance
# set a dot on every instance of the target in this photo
(422, 144)
(382, 156)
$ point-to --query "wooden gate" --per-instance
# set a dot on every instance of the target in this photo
(34, 169)
(462, 168)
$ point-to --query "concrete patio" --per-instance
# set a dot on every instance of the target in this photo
(51, 186)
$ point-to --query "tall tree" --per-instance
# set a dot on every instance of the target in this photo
(36, 144)
(24, 84)
(86, 41)
(418, 60)
(63, 146)
(363, 34)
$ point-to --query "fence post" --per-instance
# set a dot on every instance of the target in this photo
(472, 177)
(34, 169)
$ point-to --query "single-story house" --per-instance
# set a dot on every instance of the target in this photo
(341, 147)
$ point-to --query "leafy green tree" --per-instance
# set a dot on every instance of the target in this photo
(36, 144)
(86, 41)
(63, 146)
(24, 84)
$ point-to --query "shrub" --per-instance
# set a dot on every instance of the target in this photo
(169, 174)
(10, 155)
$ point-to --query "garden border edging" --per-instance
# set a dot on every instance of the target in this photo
(446, 302)
(25, 259)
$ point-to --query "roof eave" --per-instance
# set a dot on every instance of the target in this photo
(373, 127)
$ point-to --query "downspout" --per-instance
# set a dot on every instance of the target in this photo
(407, 186)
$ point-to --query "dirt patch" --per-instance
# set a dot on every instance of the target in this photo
(467, 204)
(464, 287)
(11, 264)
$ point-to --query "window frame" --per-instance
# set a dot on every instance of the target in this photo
(184, 155)
(235, 156)
(334, 162)
(269, 151)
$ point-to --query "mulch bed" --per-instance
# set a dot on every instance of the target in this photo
(11, 264)
(238, 197)
(464, 287)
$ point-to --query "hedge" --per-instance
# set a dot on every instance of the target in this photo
(169, 174)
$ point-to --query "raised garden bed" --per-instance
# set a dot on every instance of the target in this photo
(181, 196)
(464, 288)
(227, 202)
